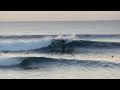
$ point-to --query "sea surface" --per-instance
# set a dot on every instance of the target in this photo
(60, 50)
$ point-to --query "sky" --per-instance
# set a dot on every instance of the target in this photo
(58, 15)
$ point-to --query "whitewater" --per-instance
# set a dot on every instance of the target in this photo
(88, 49)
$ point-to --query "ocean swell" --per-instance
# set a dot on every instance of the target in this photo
(44, 62)
(58, 44)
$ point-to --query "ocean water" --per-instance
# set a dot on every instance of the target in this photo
(60, 50)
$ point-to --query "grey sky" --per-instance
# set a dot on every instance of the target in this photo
(58, 15)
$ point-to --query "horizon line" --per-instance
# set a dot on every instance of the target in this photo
(61, 21)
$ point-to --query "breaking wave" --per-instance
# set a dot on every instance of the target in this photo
(60, 43)
(53, 44)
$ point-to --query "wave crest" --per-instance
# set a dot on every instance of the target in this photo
(53, 44)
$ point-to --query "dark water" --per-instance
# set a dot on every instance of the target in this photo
(83, 50)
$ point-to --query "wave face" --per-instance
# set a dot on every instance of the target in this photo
(23, 45)
(59, 43)
(10, 61)
(47, 61)
(44, 62)
(89, 44)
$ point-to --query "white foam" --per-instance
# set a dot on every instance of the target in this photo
(69, 37)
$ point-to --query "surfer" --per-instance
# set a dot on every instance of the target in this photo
(5, 51)
(63, 46)
(27, 53)
(112, 56)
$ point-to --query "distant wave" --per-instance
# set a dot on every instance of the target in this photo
(77, 35)
(24, 36)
